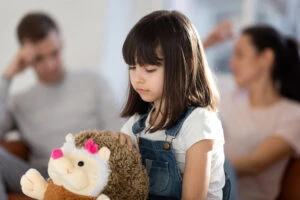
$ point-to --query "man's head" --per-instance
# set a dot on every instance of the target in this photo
(42, 33)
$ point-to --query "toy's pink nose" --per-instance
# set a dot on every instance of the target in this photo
(57, 153)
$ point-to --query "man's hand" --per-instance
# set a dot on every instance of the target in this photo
(22, 60)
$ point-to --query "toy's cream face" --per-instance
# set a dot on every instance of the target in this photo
(82, 171)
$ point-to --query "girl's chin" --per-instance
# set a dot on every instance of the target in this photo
(148, 100)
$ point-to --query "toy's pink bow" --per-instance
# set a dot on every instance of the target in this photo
(57, 153)
(91, 146)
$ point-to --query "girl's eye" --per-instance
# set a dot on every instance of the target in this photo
(150, 70)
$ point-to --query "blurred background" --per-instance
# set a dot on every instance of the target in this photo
(94, 30)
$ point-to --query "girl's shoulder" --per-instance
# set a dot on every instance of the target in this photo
(127, 127)
(202, 123)
(201, 113)
(133, 118)
(203, 118)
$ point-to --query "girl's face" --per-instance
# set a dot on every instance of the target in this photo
(148, 81)
(246, 63)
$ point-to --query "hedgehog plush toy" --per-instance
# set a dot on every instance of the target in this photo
(93, 165)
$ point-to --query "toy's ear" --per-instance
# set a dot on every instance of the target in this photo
(69, 137)
(104, 153)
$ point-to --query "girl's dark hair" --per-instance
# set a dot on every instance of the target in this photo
(286, 65)
(187, 79)
(35, 26)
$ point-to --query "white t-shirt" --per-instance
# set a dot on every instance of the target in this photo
(199, 125)
(245, 128)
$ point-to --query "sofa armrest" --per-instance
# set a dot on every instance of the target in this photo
(18, 148)
(290, 185)
(18, 197)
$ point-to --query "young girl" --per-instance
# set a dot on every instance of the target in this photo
(172, 106)
(261, 117)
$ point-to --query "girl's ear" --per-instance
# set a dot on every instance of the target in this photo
(267, 58)
(104, 153)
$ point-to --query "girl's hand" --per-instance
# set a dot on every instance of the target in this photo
(124, 139)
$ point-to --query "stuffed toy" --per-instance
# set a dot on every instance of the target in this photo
(93, 165)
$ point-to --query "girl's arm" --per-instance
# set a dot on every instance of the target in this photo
(272, 150)
(197, 170)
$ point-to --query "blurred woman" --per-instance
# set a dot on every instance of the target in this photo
(261, 116)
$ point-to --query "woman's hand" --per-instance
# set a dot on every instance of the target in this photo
(221, 32)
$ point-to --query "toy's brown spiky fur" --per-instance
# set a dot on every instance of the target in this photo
(128, 180)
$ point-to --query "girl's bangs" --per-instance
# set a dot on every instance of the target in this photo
(141, 48)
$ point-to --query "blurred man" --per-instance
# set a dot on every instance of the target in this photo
(61, 101)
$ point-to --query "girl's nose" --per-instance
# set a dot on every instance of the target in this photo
(138, 75)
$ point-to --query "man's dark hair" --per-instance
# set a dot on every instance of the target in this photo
(35, 26)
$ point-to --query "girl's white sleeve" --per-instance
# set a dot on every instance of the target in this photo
(127, 128)
(200, 125)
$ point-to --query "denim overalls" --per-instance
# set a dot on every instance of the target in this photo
(159, 159)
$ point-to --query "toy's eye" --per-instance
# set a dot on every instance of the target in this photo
(80, 163)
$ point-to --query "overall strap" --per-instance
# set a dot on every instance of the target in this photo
(140, 125)
(174, 130)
